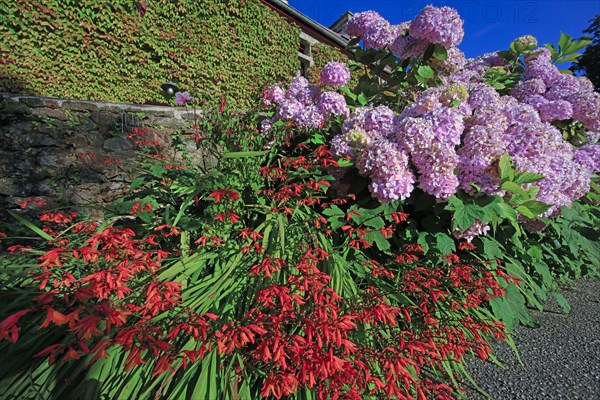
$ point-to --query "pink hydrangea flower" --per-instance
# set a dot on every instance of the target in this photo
(335, 74)
(360, 22)
(440, 25)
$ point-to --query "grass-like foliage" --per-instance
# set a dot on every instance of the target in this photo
(356, 247)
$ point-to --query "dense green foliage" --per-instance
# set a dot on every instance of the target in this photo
(589, 62)
(106, 50)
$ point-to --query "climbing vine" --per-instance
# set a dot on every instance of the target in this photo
(122, 50)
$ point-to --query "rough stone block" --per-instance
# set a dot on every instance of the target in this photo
(50, 113)
(105, 118)
(12, 108)
(33, 102)
(79, 106)
(117, 144)
(172, 123)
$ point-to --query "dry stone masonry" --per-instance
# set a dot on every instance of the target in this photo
(71, 152)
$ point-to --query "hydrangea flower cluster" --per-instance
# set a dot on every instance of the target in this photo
(557, 96)
(305, 104)
(386, 163)
(441, 25)
(335, 74)
(453, 136)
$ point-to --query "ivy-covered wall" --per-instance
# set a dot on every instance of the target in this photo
(106, 50)
(321, 55)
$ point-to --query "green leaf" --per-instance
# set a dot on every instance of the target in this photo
(243, 154)
(511, 309)
(514, 188)
(31, 226)
(425, 71)
(362, 99)
(444, 243)
(536, 207)
(562, 302)
(491, 248)
(342, 162)
(526, 212)
(564, 41)
(375, 223)
(378, 238)
(440, 52)
(506, 170)
(527, 177)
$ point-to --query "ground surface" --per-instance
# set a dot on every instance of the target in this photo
(561, 356)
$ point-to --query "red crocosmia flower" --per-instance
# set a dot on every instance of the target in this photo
(466, 246)
(399, 217)
(87, 327)
(38, 202)
(9, 328)
(223, 194)
(414, 248)
(233, 217)
(220, 217)
(61, 218)
(71, 354)
(52, 351)
(55, 317)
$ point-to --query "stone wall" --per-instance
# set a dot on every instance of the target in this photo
(75, 152)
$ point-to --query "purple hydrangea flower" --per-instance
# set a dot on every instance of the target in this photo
(545, 71)
(454, 62)
(358, 25)
(379, 35)
(386, 163)
(335, 74)
(333, 103)
(585, 84)
(309, 117)
(408, 46)
(438, 25)
(266, 126)
(529, 88)
(288, 109)
(481, 95)
(588, 156)
(541, 55)
(296, 85)
(563, 87)
(477, 229)
(273, 94)
(340, 147)
(307, 95)
(182, 98)
(482, 148)
(555, 110)
(586, 108)
(380, 119)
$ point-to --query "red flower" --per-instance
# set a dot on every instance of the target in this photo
(9, 328)
(224, 194)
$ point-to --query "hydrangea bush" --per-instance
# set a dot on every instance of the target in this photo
(356, 243)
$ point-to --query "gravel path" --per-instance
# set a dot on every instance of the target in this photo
(561, 357)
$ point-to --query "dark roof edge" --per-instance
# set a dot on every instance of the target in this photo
(311, 23)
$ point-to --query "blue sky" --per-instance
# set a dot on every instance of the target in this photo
(489, 25)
